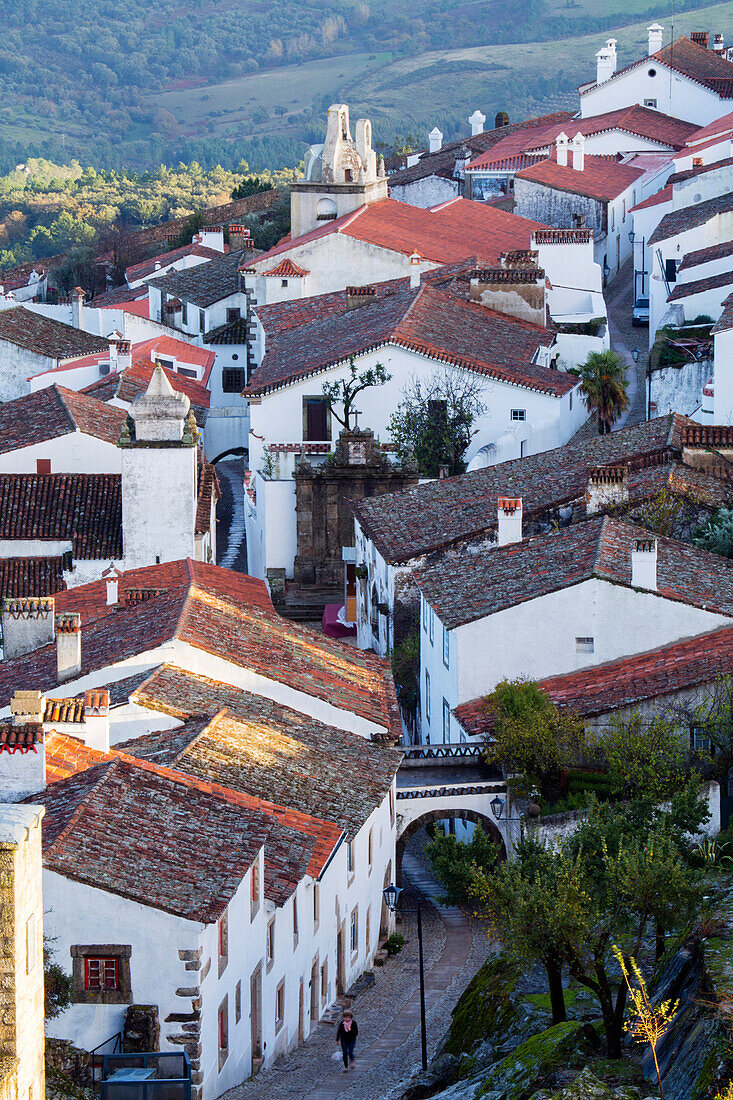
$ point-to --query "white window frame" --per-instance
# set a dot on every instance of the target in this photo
(518, 414)
(446, 722)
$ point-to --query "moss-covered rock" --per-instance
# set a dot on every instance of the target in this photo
(536, 1058)
(587, 1086)
(487, 1007)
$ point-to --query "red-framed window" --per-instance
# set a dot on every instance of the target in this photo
(101, 973)
(223, 1028)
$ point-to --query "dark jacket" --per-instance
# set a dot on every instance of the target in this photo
(344, 1036)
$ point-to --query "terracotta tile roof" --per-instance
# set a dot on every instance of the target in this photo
(725, 321)
(444, 234)
(689, 217)
(205, 284)
(44, 336)
(147, 267)
(220, 612)
(31, 576)
(287, 269)
(264, 748)
(13, 278)
(86, 509)
(427, 320)
(20, 738)
(665, 195)
(626, 682)
(408, 524)
(699, 286)
(718, 126)
(463, 588)
(119, 297)
(64, 710)
(706, 255)
(67, 756)
(601, 177)
(128, 384)
(700, 170)
(167, 840)
(691, 60)
(53, 412)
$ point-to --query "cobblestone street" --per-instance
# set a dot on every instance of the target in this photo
(388, 1049)
(619, 296)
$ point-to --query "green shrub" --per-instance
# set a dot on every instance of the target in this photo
(395, 943)
(717, 534)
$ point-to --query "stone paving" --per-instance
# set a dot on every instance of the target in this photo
(230, 540)
(388, 1014)
(624, 336)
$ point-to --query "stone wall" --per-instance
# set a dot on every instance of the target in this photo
(557, 208)
(679, 388)
(325, 496)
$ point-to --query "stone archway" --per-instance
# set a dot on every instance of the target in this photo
(233, 452)
(430, 816)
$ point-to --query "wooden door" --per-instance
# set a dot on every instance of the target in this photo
(256, 1012)
(340, 964)
(316, 420)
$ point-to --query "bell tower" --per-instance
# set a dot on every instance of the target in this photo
(340, 176)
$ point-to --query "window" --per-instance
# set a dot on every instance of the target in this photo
(295, 921)
(350, 857)
(391, 805)
(348, 175)
(697, 162)
(43, 465)
(578, 221)
(254, 901)
(571, 400)
(324, 982)
(233, 314)
(283, 282)
(700, 739)
(446, 647)
(184, 313)
(271, 943)
(187, 372)
(354, 931)
(280, 1005)
(432, 626)
(651, 72)
(425, 615)
(670, 271)
(202, 321)
(427, 695)
(223, 1032)
(623, 215)
(518, 414)
(446, 722)
(169, 364)
(650, 103)
(316, 904)
(370, 848)
(523, 449)
(101, 973)
(233, 380)
(613, 216)
(30, 944)
(238, 1002)
(368, 927)
(223, 935)
(316, 420)
(584, 645)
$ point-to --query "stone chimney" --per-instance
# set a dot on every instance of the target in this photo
(477, 121)
(96, 719)
(415, 259)
(68, 645)
(78, 297)
(608, 487)
(28, 623)
(112, 576)
(509, 526)
(700, 38)
(239, 238)
(160, 413)
(358, 296)
(516, 291)
(578, 147)
(718, 44)
(656, 37)
(561, 145)
(644, 564)
(606, 61)
(435, 138)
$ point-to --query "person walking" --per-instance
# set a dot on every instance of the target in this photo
(346, 1035)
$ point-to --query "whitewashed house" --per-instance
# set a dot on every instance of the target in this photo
(207, 244)
(31, 343)
(544, 606)
(192, 685)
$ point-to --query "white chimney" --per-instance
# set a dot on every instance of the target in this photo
(656, 37)
(23, 766)
(606, 61)
(477, 121)
(28, 623)
(509, 525)
(68, 645)
(644, 564)
(608, 487)
(578, 152)
(561, 144)
(112, 577)
(415, 259)
(124, 355)
(435, 138)
(96, 719)
(718, 44)
(77, 305)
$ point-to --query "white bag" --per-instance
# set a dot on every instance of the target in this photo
(336, 1056)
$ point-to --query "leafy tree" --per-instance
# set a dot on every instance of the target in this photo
(405, 659)
(717, 534)
(344, 391)
(532, 740)
(457, 862)
(57, 985)
(646, 759)
(252, 185)
(434, 420)
(604, 387)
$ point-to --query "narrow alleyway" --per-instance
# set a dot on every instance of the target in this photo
(624, 337)
(388, 1014)
(230, 539)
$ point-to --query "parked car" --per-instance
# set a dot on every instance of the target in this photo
(640, 312)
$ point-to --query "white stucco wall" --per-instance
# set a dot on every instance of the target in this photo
(426, 192)
(675, 95)
(72, 453)
(158, 503)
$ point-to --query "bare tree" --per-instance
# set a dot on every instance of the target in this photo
(434, 421)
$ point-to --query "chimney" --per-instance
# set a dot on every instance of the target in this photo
(77, 305)
(578, 144)
(239, 239)
(509, 520)
(415, 259)
(112, 576)
(443, 473)
(124, 354)
(606, 61)
(96, 719)
(719, 44)
(211, 236)
(561, 145)
(700, 38)
(22, 751)
(644, 564)
(656, 36)
(516, 290)
(68, 645)
(608, 487)
(357, 296)
(27, 624)
(477, 121)
(435, 138)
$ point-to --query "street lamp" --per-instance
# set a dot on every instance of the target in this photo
(392, 895)
(636, 355)
(497, 807)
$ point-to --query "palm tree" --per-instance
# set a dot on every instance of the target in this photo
(604, 387)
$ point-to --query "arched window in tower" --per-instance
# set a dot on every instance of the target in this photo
(326, 210)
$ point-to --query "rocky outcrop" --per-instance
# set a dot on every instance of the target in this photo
(586, 1086)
